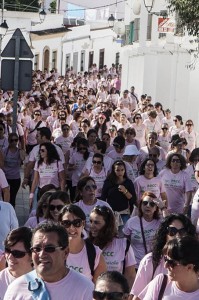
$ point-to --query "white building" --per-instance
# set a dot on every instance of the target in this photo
(160, 65)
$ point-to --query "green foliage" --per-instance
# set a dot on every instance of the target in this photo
(53, 6)
(22, 5)
(188, 12)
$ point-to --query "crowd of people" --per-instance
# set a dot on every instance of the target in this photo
(113, 192)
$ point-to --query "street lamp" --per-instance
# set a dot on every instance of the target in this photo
(3, 28)
(149, 5)
(111, 20)
(42, 15)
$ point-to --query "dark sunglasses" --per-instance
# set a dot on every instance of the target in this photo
(82, 148)
(172, 231)
(153, 155)
(175, 120)
(14, 140)
(116, 145)
(48, 249)
(164, 128)
(102, 209)
(189, 124)
(109, 296)
(37, 114)
(16, 253)
(171, 262)
(175, 160)
(76, 223)
(89, 187)
(53, 207)
(96, 162)
(145, 203)
(137, 118)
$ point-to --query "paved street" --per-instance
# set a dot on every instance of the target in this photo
(22, 205)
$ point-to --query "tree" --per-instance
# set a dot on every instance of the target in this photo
(188, 13)
(53, 5)
(22, 5)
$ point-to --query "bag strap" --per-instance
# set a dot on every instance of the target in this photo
(163, 287)
(91, 253)
(37, 125)
(126, 250)
(36, 286)
(143, 236)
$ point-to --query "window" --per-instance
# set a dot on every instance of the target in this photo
(117, 60)
(67, 61)
(54, 60)
(101, 58)
(90, 59)
(36, 62)
(82, 60)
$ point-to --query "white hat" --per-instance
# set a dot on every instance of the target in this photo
(131, 150)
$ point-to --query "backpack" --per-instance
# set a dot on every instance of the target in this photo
(91, 253)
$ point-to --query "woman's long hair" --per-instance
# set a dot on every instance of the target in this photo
(52, 154)
(161, 235)
(108, 231)
(112, 176)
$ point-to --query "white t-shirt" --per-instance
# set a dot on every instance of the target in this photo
(132, 228)
(172, 292)
(114, 255)
(49, 174)
(72, 287)
(5, 279)
(34, 154)
(79, 261)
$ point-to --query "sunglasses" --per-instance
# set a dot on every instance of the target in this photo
(14, 140)
(137, 118)
(116, 145)
(16, 253)
(89, 187)
(150, 203)
(189, 124)
(164, 128)
(102, 209)
(153, 155)
(175, 120)
(175, 160)
(48, 249)
(76, 223)
(172, 231)
(109, 296)
(96, 162)
(65, 129)
(171, 262)
(53, 207)
(37, 114)
(82, 148)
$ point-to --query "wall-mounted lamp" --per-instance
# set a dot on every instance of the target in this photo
(3, 28)
(42, 15)
(111, 20)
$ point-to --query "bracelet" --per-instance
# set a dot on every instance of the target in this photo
(126, 192)
(31, 195)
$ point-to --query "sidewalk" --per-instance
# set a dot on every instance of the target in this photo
(22, 203)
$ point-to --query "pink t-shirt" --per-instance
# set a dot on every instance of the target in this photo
(79, 162)
(152, 126)
(88, 208)
(190, 137)
(34, 154)
(32, 222)
(115, 156)
(49, 174)
(154, 185)
(145, 273)
(164, 142)
(132, 228)
(65, 142)
(5, 279)
(140, 133)
(172, 292)
(3, 182)
(176, 186)
(79, 261)
(72, 287)
(114, 255)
